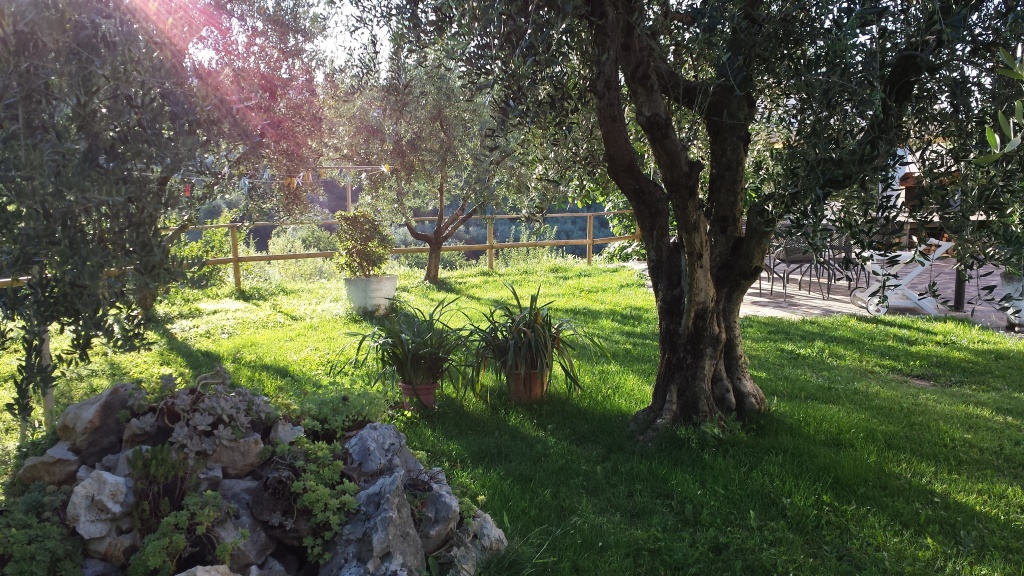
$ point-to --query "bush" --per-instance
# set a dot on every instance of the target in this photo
(33, 537)
(197, 247)
(325, 492)
(364, 245)
(299, 239)
(328, 414)
(509, 257)
(162, 481)
(182, 534)
(623, 251)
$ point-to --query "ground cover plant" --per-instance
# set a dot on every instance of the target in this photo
(892, 445)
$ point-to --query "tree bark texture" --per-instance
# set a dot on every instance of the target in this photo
(700, 273)
(444, 228)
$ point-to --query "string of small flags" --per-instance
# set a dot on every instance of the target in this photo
(292, 181)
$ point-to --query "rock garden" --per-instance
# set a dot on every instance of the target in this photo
(211, 479)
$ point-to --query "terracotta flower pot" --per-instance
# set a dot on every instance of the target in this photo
(416, 396)
(527, 387)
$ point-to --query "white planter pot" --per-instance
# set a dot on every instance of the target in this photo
(373, 294)
(1012, 285)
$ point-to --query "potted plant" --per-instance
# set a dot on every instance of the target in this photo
(1012, 279)
(364, 247)
(1006, 234)
(416, 350)
(523, 343)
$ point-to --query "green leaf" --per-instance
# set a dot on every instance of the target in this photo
(1007, 58)
(1004, 123)
(1012, 145)
(1018, 112)
(986, 160)
(993, 138)
(1011, 73)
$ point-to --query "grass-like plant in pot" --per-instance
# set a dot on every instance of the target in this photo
(417, 350)
(522, 343)
(364, 247)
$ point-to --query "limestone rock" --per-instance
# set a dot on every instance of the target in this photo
(475, 541)
(211, 477)
(109, 462)
(114, 550)
(94, 567)
(58, 466)
(208, 571)
(379, 450)
(98, 502)
(83, 473)
(122, 468)
(439, 514)
(238, 457)
(380, 539)
(254, 549)
(139, 431)
(490, 538)
(285, 432)
(238, 491)
(92, 427)
(270, 567)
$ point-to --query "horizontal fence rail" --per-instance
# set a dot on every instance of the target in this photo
(490, 247)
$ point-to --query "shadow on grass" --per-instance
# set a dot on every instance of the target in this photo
(907, 348)
(842, 480)
(199, 361)
(772, 499)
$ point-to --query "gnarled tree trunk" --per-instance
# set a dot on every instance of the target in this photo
(699, 280)
(443, 230)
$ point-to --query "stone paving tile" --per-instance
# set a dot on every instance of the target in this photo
(797, 303)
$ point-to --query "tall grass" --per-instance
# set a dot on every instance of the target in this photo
(892, 446)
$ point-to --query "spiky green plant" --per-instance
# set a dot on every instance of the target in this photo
(518, 338)
(414, 347)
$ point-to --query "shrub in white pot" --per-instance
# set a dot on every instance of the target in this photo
(364, 247)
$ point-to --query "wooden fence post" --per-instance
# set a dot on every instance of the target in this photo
(590, 238)
(348, 193)
(234, 255)
(490, 243)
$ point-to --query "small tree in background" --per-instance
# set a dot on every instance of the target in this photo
(435, 135)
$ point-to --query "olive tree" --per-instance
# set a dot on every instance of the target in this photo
(111, 126)
(437, 139)
(716, 119)
(92, 132)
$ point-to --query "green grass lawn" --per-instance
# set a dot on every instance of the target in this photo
(893, 445)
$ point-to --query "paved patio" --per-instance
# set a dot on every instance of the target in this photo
(800, 303)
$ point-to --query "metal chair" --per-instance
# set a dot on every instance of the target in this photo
(793, 255)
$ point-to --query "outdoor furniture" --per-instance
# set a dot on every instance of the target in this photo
(796, 256)
(886, 288)
(791, 256)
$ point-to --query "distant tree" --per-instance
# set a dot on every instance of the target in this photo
(434, 136)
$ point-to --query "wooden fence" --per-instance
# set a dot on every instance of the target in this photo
(236, 260)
